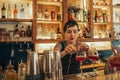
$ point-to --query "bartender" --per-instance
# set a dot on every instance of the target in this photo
(69, 48)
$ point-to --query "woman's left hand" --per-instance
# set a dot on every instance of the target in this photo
(83, 46)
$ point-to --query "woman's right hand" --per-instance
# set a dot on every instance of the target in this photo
(70, 49)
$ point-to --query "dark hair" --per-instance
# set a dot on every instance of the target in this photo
(70, 23)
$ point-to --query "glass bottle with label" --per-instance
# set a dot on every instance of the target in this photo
(39, 32)
(46, 33)
(52, 33)
(3, 10)
(9, 12)
(21, 71)
(53, 14)
(10, 73)
(22, 32)
(16, 32)
(46, 14)
(15, 12)
(22, 12)
(39, 15)
(28, 31)
(28, 11)
(59, 34)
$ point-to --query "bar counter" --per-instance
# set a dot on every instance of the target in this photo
(100, 76)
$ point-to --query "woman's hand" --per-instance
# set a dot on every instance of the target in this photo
(70, 48)
(83, 46)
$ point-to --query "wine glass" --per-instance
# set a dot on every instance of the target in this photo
(93, 56)
(81, 57)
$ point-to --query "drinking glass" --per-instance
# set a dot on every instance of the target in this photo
(81, 57)
(93, 56)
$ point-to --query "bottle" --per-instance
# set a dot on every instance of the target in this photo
(53, 14)
(16, 32)
(22, 12)
(46, 33)
(59, 34)
(3, 10)
(39, 32)
(10, 73)
(9, 12)
(96, 16)
(22, 32)
(40, 14)
(28, 11)
(46, 14)
(28, 31)
(84, 15)
(15, 12)
(1, 73)
(21, 71)
(52, 33)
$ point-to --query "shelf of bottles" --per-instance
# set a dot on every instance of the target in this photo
(102, 19)
(79, 10)
(16, 21)
(49, 20)
(116, 18)
(16, 10)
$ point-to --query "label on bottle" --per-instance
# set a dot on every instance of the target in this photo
(3, 13)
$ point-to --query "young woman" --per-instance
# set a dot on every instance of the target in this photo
(69, 48)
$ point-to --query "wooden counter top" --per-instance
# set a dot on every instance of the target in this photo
(93, 65)
(100, 76)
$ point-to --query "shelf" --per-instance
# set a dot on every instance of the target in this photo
(94, 39)
(101, 23)
(116, 23)
(47, 40)
(15, 20)
(16, 0)
(116, 6)
(100, 6)
(48, 21)
(50, 3)
(25, 39)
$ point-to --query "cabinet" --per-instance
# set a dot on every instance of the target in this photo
(48, 18)
(116, 19)
(17, 14)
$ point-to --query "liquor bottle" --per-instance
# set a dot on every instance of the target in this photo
(21, 71)
(16, 32)
(39, 15)
(15, 12)
(9, 12)
(28, 31)
(1, 73)
(46, 14)
(96, 16)
(28, 11)
(46, 33)
(3, 10)
(10, 73)
(59, 34)
(52, 33)
(53, 14)
(39, 32)
(22, 32)
(84, 15)
(22, 12)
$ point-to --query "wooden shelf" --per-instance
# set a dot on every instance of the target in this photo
(47, 40)
(94, 39)
(50, 3)
(25, 39)
(15, 20)
(48, 21)
(101, 23)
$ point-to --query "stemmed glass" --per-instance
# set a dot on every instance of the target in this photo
(93, 56)
(81, 57)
